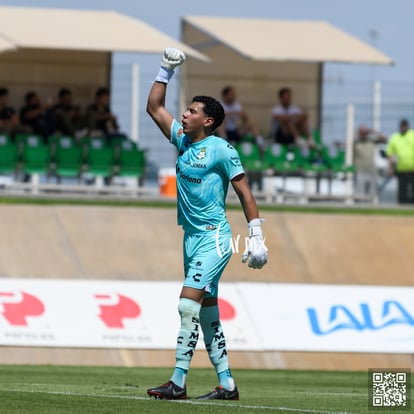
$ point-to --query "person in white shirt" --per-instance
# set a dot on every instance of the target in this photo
(237, 124)
(289, 122)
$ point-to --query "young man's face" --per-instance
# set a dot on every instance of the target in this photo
(66, 100)
(194, 119)
(285, 99)
(403, 128)
(3, 100)
(103, 99)
(229, 97)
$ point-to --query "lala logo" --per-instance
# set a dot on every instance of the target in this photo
(115, 308)
(17, 306)
(364, 318)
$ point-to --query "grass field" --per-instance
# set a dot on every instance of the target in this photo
(89, 390)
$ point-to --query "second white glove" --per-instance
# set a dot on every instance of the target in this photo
(256, 250)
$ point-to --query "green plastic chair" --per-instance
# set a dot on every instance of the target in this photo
(99, 158)
(335, 158)
(68, 157)
(281, 158)
(312, 161)
(5, 139)
(8, 155)
(131, 161)
(24, 139)
(35, 158)
(250, 156)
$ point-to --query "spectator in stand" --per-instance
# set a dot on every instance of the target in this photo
(400, 151)
(68, 116)
(237, 124)
(365, 147)
(9, 120)
(37, 117)
(289, 122)
(99, 119)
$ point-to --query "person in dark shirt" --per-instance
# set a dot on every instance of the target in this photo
(98, 118)
(9, 121)
(68, 116)
(39, 118)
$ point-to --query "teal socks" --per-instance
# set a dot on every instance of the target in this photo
(188, 334)
(215, 343)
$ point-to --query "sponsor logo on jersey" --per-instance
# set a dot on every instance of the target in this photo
(198, 165)
(193, 180)
(202, 154)
(235, 161)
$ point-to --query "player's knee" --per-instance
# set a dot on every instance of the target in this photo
(189, 309)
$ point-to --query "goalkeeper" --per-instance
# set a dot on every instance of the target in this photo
(205, 166)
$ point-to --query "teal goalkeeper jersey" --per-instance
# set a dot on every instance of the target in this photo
(204, 170)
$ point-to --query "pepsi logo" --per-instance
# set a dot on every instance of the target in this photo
(18, 306)
(114, 308)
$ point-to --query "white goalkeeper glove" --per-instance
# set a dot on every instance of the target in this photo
(171, 58)
(256, 250)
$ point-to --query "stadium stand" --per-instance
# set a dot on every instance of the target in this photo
(66, 156)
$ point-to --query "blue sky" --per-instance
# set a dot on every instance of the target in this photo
(391, 21)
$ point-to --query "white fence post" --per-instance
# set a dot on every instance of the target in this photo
(349, 154)
(134, 102)
(376, 106)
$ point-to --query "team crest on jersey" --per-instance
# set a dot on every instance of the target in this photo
(202, 153)
(180, 132)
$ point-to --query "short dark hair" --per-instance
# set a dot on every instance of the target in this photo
(4, 91)
(226, 90)
(64, 92)
(212, 108)
(29, 96)
(404, 122)
(101, 91)
(284, 90)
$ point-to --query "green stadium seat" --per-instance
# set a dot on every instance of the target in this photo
(5, 139)
(131, 160)
(68, 157)
(8, 155)
(282, 159)
(35, 157)
(311, 160)
(250, 156)
(99, 158)
(316, 135)
(335, 158)
(27, 138)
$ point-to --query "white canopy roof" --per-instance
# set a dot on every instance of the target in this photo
(280, 40)
(64, 29)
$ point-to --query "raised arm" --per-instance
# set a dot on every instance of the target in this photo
(156, 108)
(156, 98)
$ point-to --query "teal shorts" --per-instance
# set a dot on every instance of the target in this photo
(205, 257)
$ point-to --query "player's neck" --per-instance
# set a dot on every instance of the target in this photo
(199, 137)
